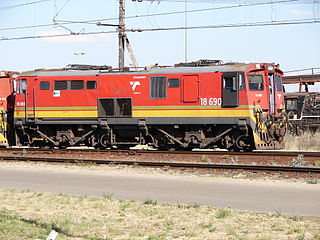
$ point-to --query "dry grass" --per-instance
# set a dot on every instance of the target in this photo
(30, 215)
(306, 142)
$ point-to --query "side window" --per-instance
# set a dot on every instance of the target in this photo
(255, 82)
(60, 85)
(23, 86)
(279, 83)
(174, 83)
(158, 87)
(242, 84)
(229, 82)
(91, 84)
(18, 88)
(291, 104)
(77, 85)
(44, 85)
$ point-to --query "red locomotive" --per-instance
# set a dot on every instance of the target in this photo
(204, 104)
(6, 106)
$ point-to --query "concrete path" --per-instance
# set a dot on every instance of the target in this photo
(253, 195)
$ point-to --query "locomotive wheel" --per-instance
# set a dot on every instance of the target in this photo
(243, 143)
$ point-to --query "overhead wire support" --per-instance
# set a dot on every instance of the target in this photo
(122, 37)
(121, 33)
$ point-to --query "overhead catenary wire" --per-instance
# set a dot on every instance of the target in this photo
(189, 11)
(94, 21)
(23, 4)
(237, 25)
(210, 1)
(301, 70)
(240, 25)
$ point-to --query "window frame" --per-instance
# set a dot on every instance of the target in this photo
(46, 82)
(293, 104)
(68, 85)
(95, 86)
(55, 87)
(262, 83)
(20, 88)
(73, 81)
(242, 81)
(279, 83)
(170, 80)
(158, 90)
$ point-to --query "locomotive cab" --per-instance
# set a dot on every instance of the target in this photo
(267, 97)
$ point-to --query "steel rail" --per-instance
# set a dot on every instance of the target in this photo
(167, 164)
(132, 152)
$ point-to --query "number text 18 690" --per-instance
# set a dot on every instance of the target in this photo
(210, 101)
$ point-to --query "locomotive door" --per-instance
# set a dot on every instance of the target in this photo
(230, 94)
(21, 96)
(190, 88)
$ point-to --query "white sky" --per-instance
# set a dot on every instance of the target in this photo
(292, 46)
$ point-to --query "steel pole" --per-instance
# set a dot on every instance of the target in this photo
(121, 33)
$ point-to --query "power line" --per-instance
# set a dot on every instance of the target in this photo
(207, 1)
(93, 21)
(24, 4)
(189, 11)
(237, 25)
(26, 27)
(301, 70)
(55, 35)
(253, 24)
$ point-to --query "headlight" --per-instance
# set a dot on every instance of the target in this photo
(270, 68)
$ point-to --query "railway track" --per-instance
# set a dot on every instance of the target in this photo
(95, 151)
(259, 168)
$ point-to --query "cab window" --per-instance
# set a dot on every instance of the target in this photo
(279, 83)
(22, 86)
(255, 82)
(242, 84)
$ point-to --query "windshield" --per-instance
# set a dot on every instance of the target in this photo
(255, 82)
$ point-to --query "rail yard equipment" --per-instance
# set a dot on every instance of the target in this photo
(303, 107)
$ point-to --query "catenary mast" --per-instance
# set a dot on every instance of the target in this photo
(121, 34)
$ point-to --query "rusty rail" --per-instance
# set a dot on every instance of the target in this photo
(168, 164)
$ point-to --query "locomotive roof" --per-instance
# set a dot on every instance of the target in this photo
(241, 67)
